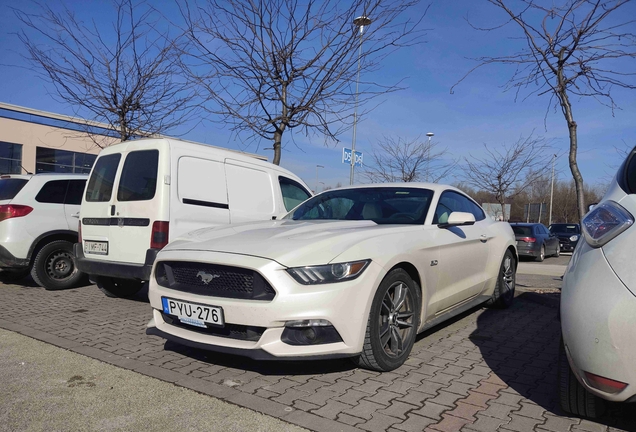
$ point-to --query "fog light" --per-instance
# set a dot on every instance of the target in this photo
(308, 323)
(321, 332)
(604, 384)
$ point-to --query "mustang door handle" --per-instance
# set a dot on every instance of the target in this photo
(483, 238)
(76, 215)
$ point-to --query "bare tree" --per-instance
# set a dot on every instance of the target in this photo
(508, 172)
(571, 50)
(126, 77)
(270, 66)
(403, 160)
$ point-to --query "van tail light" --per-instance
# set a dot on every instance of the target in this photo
(604, 384)
(79, 231)
(8, 211)
(159, 236)
(528, 239)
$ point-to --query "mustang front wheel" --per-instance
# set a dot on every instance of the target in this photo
(392, 324)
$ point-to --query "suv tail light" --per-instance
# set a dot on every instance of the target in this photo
(604, 222)
(159, 236)
(8, 211)
(527, 239)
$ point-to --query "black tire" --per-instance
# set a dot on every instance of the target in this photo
(391, 330)
(541, 256)
(504, 293)
(573, 397)
(558, 251)
(54, 266)
(10, 276)
(121, 288)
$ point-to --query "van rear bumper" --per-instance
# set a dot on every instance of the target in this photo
(115, 269)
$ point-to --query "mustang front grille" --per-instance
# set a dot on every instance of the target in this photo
(213, 280)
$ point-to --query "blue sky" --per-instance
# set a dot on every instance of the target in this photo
(478, 112)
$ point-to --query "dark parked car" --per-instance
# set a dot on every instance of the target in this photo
(568, 235)
(534, 240)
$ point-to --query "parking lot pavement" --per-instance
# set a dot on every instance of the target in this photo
(486, 370)
(51, 389)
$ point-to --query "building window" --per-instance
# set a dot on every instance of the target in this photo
(10, 158)
(63, 161)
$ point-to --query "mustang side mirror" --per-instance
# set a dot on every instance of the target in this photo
(457, 219)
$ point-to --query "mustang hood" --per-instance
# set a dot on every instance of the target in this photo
(290, 243)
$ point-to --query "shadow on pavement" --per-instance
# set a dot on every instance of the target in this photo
(263, 367)
(521, 344)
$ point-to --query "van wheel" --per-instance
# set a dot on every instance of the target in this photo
(10, 276)
(54, 266)
(573, 397)
(115, 287)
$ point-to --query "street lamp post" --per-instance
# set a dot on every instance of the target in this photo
(316, 188)
(552, 190)
(360, 22)
(428, 153)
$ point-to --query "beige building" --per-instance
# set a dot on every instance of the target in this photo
(33, 141)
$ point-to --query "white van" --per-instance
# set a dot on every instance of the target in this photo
(142, 194)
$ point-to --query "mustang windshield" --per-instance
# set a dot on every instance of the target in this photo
(382, 205)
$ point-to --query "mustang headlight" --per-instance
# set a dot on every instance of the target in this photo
(604, 222)
(329, 273)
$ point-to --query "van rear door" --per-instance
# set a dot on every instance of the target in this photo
(125, 196)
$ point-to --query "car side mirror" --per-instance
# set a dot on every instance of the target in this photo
(458, 219)
(279, 216)
(591, 206)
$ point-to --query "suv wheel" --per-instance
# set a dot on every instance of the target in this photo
(115, 287)
(54, 266)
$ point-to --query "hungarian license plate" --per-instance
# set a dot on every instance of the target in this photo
(195, 314)
(96, 247)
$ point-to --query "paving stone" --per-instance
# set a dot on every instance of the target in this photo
(509, 399)
(558, 424)
(430, 387)
(370, 387)
(465, 411)
(459, 388)
(522, 424)
(485, 424)
(442, 378)
(499, 411)
(320, 397)
(304, 406)
(587, 425)
(350, 420)
(446, 398)
(382, 397)
(414, 423)
(290, 396)
(531, 410)
(379, 423)
(311, 386)
(398, 409)
(332, 409)
(364, 409)
(351, 396)
(415, 397)
(431, 410)
(478, 399)
(449, 424)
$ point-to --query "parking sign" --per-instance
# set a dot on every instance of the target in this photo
(346, 157)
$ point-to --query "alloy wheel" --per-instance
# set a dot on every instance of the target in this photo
(508, 277)
(396, 319)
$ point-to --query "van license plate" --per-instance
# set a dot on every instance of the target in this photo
(96, 247)
(193, 313)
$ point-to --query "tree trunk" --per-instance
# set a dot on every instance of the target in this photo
(278, 135)
(574, 167)
(502, 201)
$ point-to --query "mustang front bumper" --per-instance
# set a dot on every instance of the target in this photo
(345, 305)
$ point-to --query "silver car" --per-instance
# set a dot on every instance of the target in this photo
(597, 359)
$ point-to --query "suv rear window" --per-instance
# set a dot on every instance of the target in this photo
(100, 185)
(9, 188)
(139, 177)
(53, 192)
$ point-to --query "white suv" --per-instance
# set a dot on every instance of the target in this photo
(38, 226)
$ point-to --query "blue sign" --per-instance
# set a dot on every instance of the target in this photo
(346, 157)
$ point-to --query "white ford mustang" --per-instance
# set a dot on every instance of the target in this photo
(354, 272)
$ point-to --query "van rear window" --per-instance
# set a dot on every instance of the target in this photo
(139, 177)
(9, 188)
(100, 185)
